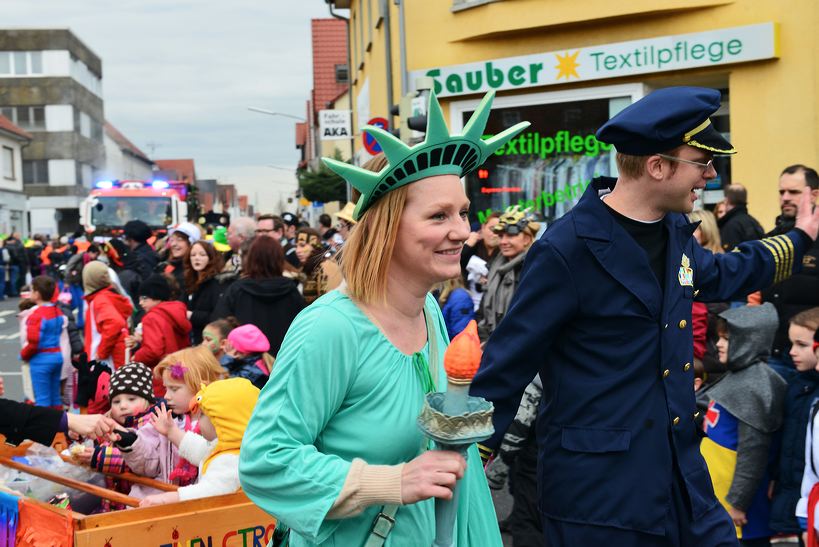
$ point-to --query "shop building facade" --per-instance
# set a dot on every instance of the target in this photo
(568, 66)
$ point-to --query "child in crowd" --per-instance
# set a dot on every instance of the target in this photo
(214, 335)
(225, 408)
(26, 307)
(146, 451)
(45, 326)
(744, 412)
(804, 354)
(456, 306)
(246, 355)
(132, 398)
(803, 391)
(106, 316)
(165, 326)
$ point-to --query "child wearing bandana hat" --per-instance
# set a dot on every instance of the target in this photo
(132, 398)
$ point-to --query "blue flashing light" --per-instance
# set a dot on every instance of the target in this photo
(159, 184)
(104, 184)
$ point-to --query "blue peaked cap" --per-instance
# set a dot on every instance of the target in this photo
(665, 119)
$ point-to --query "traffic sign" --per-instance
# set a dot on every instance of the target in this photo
(370, 143)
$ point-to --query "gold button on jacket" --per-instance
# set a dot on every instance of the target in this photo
(683, 323)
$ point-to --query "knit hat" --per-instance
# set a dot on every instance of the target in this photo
(156, 287)
(134, 378)
(95, 277)
(248, 339)
(137, 230)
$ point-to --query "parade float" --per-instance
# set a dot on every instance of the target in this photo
(219, 521)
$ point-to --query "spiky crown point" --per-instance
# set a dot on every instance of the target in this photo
(439, 154)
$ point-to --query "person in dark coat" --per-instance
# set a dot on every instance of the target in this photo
(136, 235)
(603, 314)
(801, 291)
(737, 226)
(262, 297)
(202, 265)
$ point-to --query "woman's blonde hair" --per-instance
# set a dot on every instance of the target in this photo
(197, 367)
(367, 253)
(709, 230)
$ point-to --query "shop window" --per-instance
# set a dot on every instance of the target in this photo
(35, 171)
(8, 163)
(548, 166)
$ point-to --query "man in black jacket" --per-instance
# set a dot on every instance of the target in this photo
(800, 291)
(737, 226)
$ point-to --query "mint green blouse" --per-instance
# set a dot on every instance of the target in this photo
(340, 390)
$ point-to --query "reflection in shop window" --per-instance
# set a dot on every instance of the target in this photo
(548, 166)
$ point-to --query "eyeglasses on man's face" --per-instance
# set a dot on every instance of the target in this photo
(261, 231)
(704, 167)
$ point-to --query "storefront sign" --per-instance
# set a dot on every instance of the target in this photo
(334, 124)
(684, 51)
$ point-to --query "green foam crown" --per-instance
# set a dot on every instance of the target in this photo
(439, 154)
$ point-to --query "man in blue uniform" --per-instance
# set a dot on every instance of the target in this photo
(603, 313)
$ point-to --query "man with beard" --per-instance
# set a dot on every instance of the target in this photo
(801, 291)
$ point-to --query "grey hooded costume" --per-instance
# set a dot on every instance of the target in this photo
(752, 392)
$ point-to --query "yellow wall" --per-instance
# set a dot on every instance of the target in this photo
(774, 104)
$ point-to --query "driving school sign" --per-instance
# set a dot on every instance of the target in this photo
(334, 124)
(662, 54)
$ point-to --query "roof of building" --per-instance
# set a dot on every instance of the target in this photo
(123, 142)
(184, 168)
(8, 126)
(329, 49)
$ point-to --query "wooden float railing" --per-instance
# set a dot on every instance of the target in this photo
(92, 489)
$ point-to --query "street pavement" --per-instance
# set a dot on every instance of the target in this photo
(10, 349)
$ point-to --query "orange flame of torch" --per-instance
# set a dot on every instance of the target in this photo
(463, 356)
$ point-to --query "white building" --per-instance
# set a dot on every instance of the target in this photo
(13, 217)
(123, 160)
(51, 87)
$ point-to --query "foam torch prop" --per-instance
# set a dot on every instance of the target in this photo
(454, 420)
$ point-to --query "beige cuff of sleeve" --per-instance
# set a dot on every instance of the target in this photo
(367, 485)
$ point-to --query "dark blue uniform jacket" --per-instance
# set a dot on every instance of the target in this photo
(615, 355)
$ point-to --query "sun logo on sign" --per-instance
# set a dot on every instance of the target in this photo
(567, 65)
